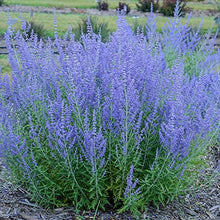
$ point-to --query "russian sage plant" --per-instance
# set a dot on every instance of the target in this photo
(117, 124)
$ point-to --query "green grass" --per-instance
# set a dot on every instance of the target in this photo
(66, 3)
(5, 64)
(45, 19)
(201, 6)
(65, 20)
(92, 4)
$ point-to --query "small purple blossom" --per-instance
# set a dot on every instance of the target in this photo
(130, 189)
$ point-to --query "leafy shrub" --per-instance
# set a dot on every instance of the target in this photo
(120, 123)
(137, 28)
(32, 28)
(168, 7)
(145, 5)
(92, 24)
(103, 6)
(217, 21)
(1, 2)
(217, 3)
(122, 6)
(217, 18)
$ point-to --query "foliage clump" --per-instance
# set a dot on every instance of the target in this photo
(32, 28)
(147, 5)
(169, 6)
(92, 24)
(122, 6)
(217, 18)
(122, 123)
(103, 6)
(1, 2)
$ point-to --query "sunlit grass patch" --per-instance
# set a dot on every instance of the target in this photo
(65, 20)
(67, 3)
(200, 6)
(4, 62)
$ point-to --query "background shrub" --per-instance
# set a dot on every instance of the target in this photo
(145, 5)
(103, 6)
(1, 2)
(217, 3)
(122, 6)
(217, 18)
(92, 24)
(137, 28)
(32, 28)
(121, 123)
(168, 7)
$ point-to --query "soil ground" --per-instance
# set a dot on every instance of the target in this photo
(201, 204)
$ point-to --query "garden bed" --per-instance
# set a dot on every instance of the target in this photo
(202, 204)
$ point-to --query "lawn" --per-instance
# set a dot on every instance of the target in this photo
(201, 6)
(5, 64)
(64, 21)
(66, 3)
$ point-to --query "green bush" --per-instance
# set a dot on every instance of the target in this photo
(137, 28)
(122, 6)
(103, 6)
(145, 5)
(217, 18)
(1, 2)
(169, 6)
(34, 28)
(98, 27)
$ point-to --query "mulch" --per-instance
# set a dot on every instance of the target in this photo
(201, 204)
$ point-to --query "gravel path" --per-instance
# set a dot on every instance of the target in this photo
(110, 12)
